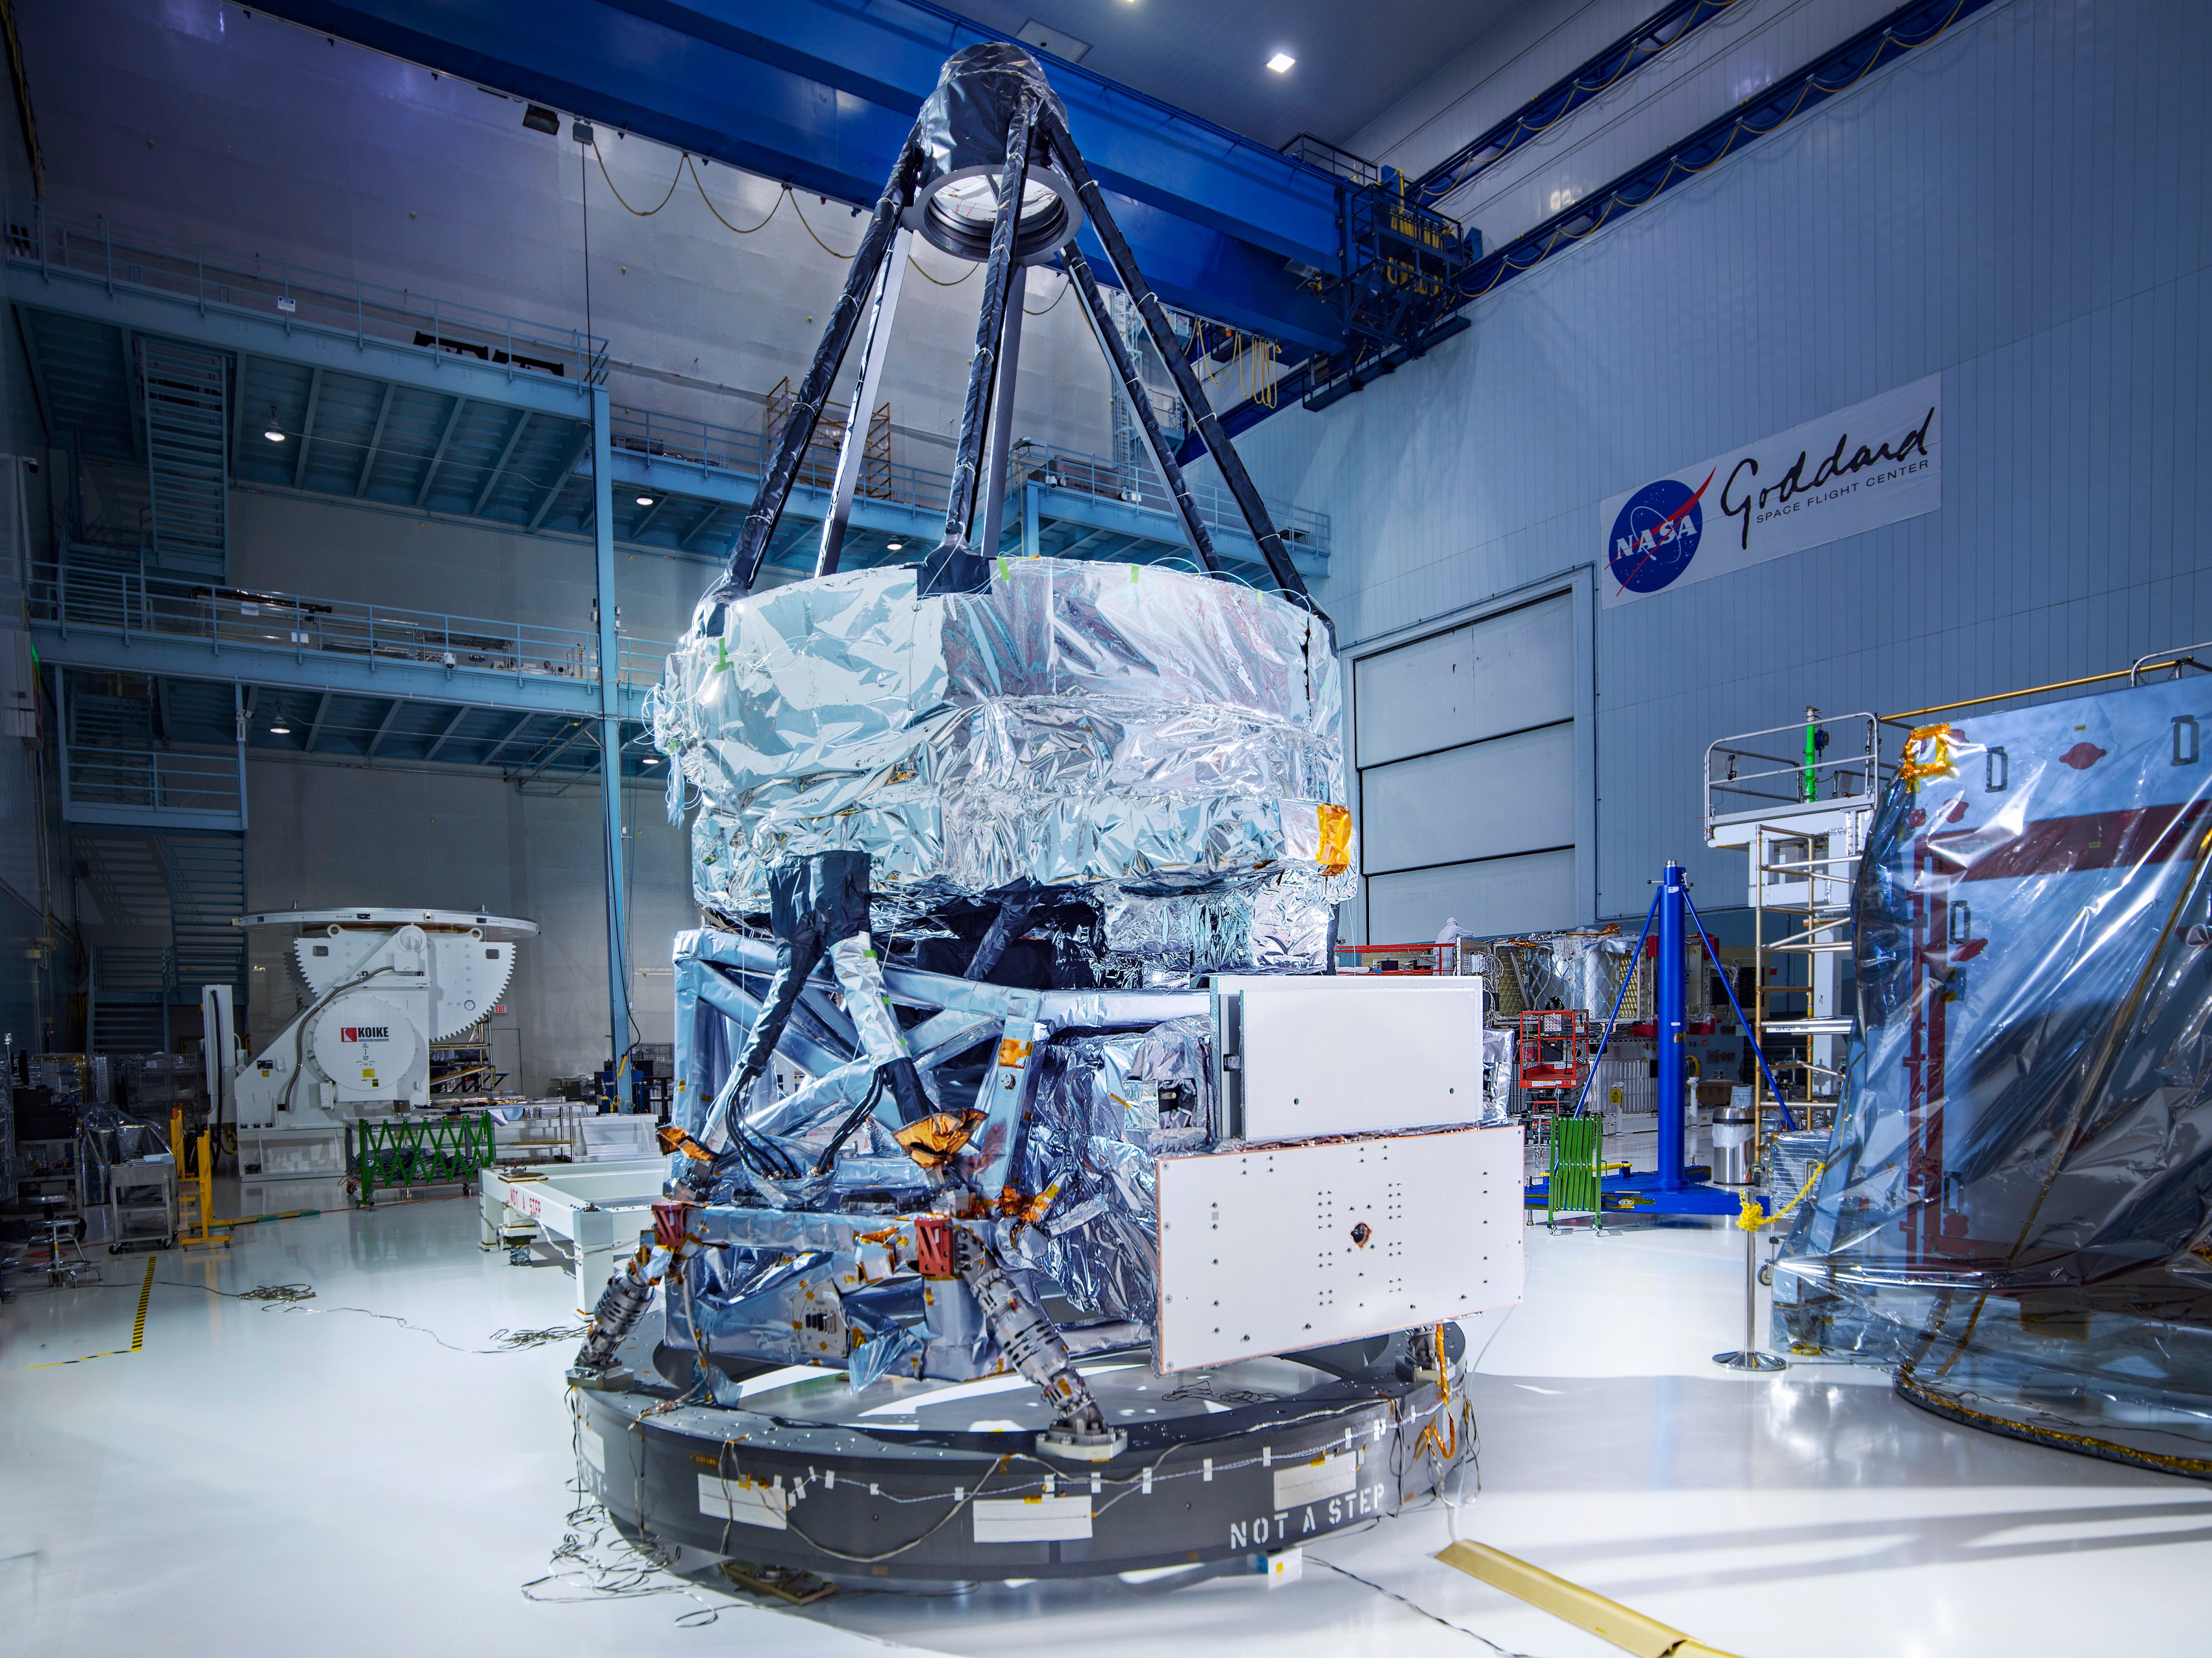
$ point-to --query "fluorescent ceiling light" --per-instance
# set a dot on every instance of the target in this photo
(1281, 62)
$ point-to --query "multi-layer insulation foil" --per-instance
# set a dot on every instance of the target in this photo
(1116, 728)
(2016, 1210)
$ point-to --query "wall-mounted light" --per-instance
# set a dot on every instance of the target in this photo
(539, 119)
(273, 432)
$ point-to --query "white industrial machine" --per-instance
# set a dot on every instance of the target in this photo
(385, 985)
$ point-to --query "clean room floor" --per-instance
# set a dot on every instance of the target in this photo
(323, 1477)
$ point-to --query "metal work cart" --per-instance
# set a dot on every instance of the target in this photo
(142, 1205)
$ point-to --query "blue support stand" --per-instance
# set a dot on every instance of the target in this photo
(1667, 1190)
(1674, 1094)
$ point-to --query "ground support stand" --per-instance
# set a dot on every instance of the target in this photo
(1242, 1461)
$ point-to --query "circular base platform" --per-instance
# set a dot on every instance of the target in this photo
(943, 1482)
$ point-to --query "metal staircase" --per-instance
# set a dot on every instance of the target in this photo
(207, 890)
(128, 1009)
(187, 460)
(175, 885)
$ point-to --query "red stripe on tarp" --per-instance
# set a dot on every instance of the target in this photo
(2068, 846)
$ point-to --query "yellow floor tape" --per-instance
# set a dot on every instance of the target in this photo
(138, 1329)
(1623, 1627)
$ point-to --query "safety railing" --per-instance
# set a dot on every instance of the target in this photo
(710, 448)
(1066, 470)
(123, 968)
(1812, 764)
(125, 603)
(153, 781)
(126, 255)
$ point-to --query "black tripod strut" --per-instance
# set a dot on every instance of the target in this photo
(957, 564)
(1119, 255)
(1109, 341)
(955, 567)
(751, 551)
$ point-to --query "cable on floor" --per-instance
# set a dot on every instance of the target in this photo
(1414, 1606)
(596, 1562)
(285, 1297)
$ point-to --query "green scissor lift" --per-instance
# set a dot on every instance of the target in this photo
(410, 1152)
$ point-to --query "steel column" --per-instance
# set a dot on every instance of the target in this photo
(603, 548)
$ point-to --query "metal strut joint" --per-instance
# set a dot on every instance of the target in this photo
(1032, 1345)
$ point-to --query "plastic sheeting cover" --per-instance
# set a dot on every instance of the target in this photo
(2017, 1206)
(1099, 727)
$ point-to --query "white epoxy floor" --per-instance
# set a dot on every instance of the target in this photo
(311, 1480)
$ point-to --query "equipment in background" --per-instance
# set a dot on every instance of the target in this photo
(591, 1213)
(386, 985)
(1798, 800)
(142, 1204)
(1552, 1055)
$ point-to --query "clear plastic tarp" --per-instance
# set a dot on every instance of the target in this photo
(2016, 1210)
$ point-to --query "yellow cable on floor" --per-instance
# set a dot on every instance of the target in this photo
(1623, 1627)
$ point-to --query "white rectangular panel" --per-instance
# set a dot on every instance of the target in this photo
(1351, 1054)
(1032, 1518)
(1504, 673)
(1496, 896)
(747, 1501)
(1506, 795)
(1330, 1474)
(1289, 1247)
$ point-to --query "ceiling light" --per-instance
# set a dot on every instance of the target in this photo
(279, 728)
(652, 760)
(644, 501)
(894, 546)
(1281, 62)
(273, 432)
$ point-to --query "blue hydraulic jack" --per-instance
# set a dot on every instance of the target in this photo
(1672, 1188)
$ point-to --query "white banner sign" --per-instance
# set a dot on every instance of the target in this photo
(1862, 467)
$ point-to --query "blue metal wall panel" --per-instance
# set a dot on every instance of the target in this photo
(2019, 207)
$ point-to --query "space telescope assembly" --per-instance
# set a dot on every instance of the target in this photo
(1038, 1202)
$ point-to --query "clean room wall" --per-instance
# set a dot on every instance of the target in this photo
(2009, 209)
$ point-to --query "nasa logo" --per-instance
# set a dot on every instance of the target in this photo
(364, 1033)
(1656, 534)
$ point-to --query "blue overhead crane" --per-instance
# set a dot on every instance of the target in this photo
(820, 93)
